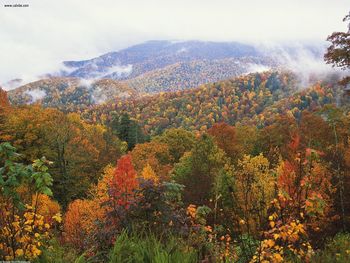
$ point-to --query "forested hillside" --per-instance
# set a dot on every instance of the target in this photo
(249, 169)
(255, 98)
(70, 94)
(185, 75)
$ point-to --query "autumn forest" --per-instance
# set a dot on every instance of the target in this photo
(189, 161)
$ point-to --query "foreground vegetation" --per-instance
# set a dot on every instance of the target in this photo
(254, 191)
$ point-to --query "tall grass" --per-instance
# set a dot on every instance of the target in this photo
(137, 248)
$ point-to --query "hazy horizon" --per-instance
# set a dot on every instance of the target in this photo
(36, 39)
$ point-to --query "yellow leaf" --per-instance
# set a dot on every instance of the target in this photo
(277, 257)
(270, 243)
(57, 217)
(19, 252)
(241, 222)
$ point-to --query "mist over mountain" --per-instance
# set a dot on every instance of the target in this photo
(164, 66)
(136, 60)
(70, 94)
(154, 55)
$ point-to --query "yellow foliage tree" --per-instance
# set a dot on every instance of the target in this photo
(255, 183)
(148, 174)
(46, 207)
(285, 241)
(26, 212)
(100, 191)
(24, 234)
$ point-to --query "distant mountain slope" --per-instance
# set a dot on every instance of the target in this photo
(157, 66)
(133, 61)
(184, 75)
(256, 98)
(70, 93)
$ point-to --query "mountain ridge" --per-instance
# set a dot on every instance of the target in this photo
(70, 94)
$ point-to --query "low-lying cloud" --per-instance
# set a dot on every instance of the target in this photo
(306, 61)
(118, 70)
(252, 68)
(98, 96)
(36, 94)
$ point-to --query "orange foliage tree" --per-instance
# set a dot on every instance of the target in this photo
(82, 216)
(79, 222)
(304, 176)
(4, 102)
(225, 137)
(305, 188)
(156, 154)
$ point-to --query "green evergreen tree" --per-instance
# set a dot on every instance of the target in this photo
(127, 130)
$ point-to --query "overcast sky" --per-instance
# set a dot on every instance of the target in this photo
(35, 39)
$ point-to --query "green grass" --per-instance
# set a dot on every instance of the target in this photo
(336, 250)
(149, 249)
(57, 253)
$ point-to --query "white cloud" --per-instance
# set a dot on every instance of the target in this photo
(98, 96)
(35, 40)
(36, 94)
(87, 83)
(182, 50)
(256, 68)
(308, 66)
(119, 70)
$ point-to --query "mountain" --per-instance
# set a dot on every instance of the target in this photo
(136, 60)
(154, 67)
(70, 93)
(151, 67)
(158, 66)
